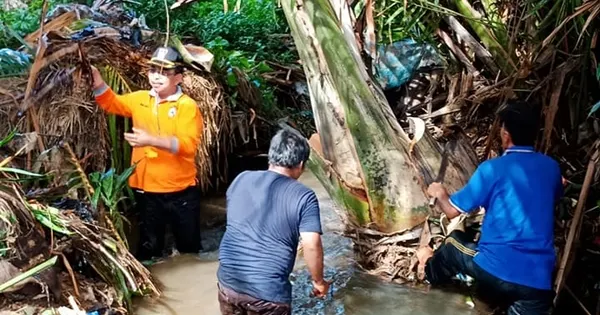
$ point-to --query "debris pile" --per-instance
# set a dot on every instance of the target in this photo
(62, 245)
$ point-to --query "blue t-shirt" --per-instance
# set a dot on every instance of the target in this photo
(266, 212)
(518, 191)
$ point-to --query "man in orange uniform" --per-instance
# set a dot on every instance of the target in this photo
(167, 126)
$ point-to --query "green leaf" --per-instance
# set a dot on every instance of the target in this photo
(231, 79)
(48, 218)
(108, 181)
(112, 245)
(8, 138)
(122, 179)
(95, 178)
(28, 274)
(263, 67)
(95, 198)
(19, 171)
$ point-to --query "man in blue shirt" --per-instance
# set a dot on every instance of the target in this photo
(267, 213)
(514, 259)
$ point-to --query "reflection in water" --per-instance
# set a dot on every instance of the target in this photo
(190, 282)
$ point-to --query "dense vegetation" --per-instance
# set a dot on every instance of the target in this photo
(242, 39)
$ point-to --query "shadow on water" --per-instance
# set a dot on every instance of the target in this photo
(190, 282)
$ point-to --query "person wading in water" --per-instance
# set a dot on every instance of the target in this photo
(167, 127)
(514, 259)
(267, 213)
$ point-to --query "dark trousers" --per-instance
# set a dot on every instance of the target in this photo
(456, 256)
(234, 303)
(180, 210)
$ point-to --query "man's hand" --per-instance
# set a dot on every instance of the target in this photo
(321, 288)
(437, 190)
(423, 254)
(313, 255)
(139, 138)
(97, 80)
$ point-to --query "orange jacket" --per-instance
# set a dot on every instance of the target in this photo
(178, 117)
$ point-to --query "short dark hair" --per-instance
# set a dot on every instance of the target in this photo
(179, 69)
(288, 149)
(521, 122)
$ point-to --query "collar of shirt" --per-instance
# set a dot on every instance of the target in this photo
(519, 149)
(170, 98)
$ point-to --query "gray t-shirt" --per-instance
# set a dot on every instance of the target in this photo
(266, 212)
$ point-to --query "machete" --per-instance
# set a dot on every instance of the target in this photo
(442, 170)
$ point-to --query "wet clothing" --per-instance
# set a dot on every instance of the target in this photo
(457, 256)
(266, 212)
(178, 117)
(519, 191)
(178, 209)
(234, 303)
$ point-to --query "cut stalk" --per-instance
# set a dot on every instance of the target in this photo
(28, 274)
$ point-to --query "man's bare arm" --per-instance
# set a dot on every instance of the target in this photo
(439, 192)
(313, 255)
(446, 207)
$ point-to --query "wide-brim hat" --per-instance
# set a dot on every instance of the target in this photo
(165, 57)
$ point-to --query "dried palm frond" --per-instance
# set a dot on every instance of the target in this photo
(9, 229)
(215, 142)
(247, 91)
(56, 24)
(112, 261)
(109, 258)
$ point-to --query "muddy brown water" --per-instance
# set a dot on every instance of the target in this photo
(189, 282)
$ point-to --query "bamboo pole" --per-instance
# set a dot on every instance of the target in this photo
(563, 270)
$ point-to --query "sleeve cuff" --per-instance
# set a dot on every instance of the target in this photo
(455, 206)
(314, 230)
(174, 145)
(99, 91)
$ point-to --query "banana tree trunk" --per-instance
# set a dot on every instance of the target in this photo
(361, 154)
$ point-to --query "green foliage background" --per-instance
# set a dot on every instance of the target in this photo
(242, 40)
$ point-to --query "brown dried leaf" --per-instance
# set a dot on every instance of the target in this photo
(370, 39)
(56, 24)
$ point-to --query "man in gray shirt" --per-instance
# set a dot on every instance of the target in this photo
(267, 213)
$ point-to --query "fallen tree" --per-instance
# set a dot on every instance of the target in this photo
(362, 155)
(495, 52)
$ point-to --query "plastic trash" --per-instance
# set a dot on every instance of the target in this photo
(468, 280)
(13, 62)
(86, 32)
(397, 62)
